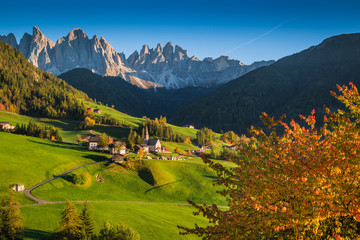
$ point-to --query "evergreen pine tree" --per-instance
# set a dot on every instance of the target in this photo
(87, 223)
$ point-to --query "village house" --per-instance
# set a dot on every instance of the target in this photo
(6, 126)
(18, 187)
(232, 147)
(189, 126)
(98, 111)
(113, 149)
(94, 142)
(150, 145)
(145, 148)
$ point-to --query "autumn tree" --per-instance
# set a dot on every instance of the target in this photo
(10, 219)
(87, 123)
(70, 223)
(177, 150)
(295, 182)
(141, 152)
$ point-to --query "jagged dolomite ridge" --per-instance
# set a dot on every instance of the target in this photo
(169, 67)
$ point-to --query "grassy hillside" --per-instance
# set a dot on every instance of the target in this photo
(160, 181)
(293, 85)
(153, 222)
(67, 128)
(31, 160)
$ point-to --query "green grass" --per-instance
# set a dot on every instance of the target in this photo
(165, 181)
(184, 147)
(31, 160)
(67, 128)
(152, 222)
(133, 121)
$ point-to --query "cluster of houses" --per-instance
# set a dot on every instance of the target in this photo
(118, 148)
(6, 126)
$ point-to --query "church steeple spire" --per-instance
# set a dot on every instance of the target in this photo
(146, 139)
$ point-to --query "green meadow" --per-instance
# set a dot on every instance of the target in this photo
(153, 222)
(31, 160)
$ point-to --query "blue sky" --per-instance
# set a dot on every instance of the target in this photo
(242, 29)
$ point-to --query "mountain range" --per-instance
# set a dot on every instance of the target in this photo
(169, 67)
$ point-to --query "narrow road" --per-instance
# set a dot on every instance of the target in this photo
(28, 193)
(38, 201)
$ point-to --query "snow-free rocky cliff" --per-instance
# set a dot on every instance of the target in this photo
(170, 66)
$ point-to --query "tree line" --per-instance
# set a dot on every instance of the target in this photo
(72, 226)
(36, 130)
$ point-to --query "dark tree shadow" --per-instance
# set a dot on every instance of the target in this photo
(211, 177)
(70, 146)
(146, 175)
(68, 177)
(37, 234)
(161, 186)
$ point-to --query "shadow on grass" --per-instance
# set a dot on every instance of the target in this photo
(36, 234)
(70, 146)
(161, 186)
(146, 175)
(68, 177)
(211, 177)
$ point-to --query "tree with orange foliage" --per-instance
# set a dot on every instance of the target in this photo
(301, 184)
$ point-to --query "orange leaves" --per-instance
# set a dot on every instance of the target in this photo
(292, 180)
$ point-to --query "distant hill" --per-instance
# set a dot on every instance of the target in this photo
(293, 85)
(28, 90)
(128, 98)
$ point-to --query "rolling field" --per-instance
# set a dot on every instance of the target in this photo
(31, 160)
(152, 222)
(67, 128)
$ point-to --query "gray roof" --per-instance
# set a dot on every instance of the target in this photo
(152, 141)
(94, 139)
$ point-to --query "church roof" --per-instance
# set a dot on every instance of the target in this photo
(153, 141)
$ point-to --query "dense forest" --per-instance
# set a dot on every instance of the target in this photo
(28, 90)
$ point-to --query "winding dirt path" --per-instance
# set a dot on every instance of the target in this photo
(28, 193)
(38, 201)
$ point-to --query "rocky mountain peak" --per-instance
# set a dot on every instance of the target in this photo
(159, 48)
(10, 39)
(167, 66)
(76, 33)
(145, 50)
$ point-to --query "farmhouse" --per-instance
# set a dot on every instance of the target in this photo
(98, 111)
(6, 126)
(189, 126)
(18, 187)
(114, 149)
(94, 142)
